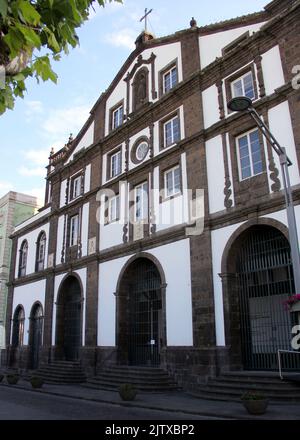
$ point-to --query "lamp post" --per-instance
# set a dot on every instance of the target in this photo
(240, 104)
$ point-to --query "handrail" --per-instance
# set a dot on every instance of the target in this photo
(279, 359)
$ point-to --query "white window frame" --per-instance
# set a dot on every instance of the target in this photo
(174, 191)
(174, 142)
(76, 183)
(114, 209)
(74, 230)
(143, 203)
(250, 155)
(118, 164)
(118, 118)
(241, 78)
(169, 72)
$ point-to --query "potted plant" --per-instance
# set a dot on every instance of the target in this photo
(12, 379)
(293, 303)
(255, 402)
(36, 382)
(127, 391)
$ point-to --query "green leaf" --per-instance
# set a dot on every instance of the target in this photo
(29, 13)
(43, 69)
(31, 37)
(15, 41)
(3, 8)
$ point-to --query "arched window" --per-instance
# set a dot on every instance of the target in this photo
(18, 327)
(23, 258)
(40, 252)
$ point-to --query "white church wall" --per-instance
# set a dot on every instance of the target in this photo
(26, 296)
(215, 173)
(85, 228)
(60, 238)
(279, 117)
(272, 70)
(219, 239)
(111, 234)
(86, 141)
(175, 261)
(211, 45)
(63, 189)
(165, 55)
(172, 212)
(82, 274)
(87, 179)
(32, 238)
(210, 101)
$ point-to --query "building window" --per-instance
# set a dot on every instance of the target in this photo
(18, 327)
(23, 259)
(117, 117)
(41, 252)
(76, 187)
(172, 179)
(249, 154)
(244, 86)
(114, 209)
(171, 131)
(115, 164)
(141, 202)
(170, 79)
(74, 230)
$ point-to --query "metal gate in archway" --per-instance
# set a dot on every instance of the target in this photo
(145, 315)
(265, 281)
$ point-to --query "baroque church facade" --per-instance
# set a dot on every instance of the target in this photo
(113, 269)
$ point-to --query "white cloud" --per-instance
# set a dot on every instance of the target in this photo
(122, 38)
(32, 172)
(33, 109)
(62, 122)
(110, 8)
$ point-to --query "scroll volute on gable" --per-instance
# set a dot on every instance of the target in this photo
(140, 88)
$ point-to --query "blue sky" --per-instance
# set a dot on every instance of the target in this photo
(49, 113)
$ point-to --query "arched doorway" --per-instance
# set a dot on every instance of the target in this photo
(69, 318)
(140, 314)
(264, 280)
(36, 334)
(18, 327)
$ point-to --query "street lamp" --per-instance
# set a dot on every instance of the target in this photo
(242, 103)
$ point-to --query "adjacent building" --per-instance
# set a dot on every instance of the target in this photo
(116, 268)
(14, 209)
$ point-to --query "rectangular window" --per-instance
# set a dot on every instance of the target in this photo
(170, 79)
(74, 230)
(141, 202)
(117, 117)
(249, 152)
(115, 164)
(76, 187)
(114, 209)
(172, 182)
(171, 132)
(244, 86)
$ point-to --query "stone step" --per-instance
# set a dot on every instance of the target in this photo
(120, 380)
(132, 376)
(109, 385)
(62, 372)
(245, 387)
(254, 383)
(235, 395)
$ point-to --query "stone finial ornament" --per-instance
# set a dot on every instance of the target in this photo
(193, 23)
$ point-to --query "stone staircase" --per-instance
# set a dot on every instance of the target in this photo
(61, 372)
(230, 386)
(144, 379)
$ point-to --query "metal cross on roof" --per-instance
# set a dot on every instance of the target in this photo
(146, 18)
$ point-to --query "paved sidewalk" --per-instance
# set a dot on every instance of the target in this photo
(171, 402)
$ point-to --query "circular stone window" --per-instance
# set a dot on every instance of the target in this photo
(140, 150)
